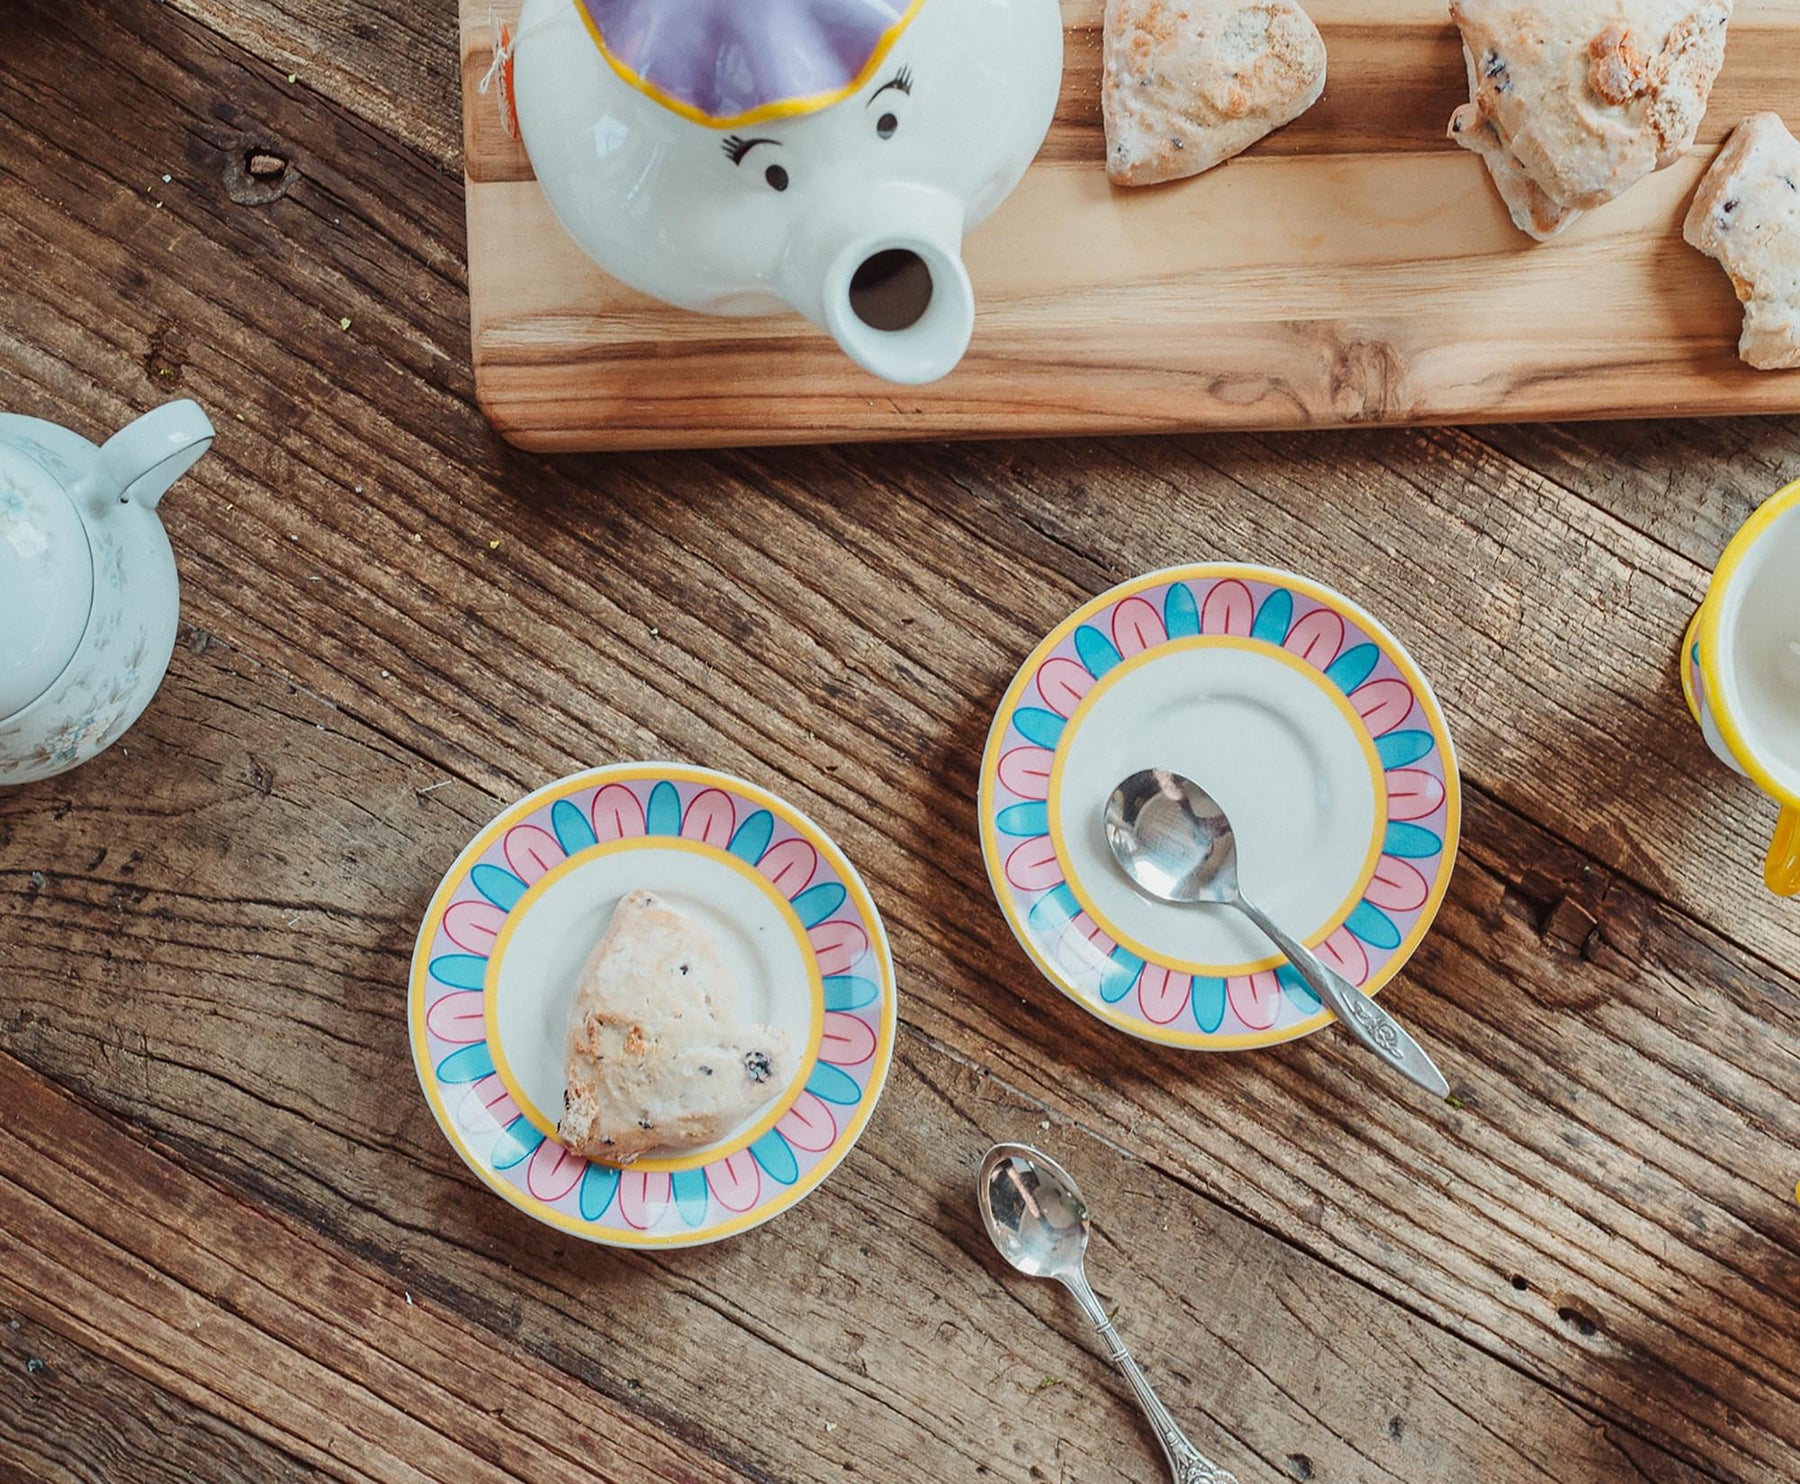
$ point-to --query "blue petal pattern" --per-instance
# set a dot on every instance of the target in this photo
(1053, 911)
(1411, 842)
(689, 1189)
(663, 817)
(751, 840)
(849, 992)
(1275, 619)
(599, 1183)
(574, 831)
(776, 1156)
(1095, 650)
(1351, 668)
(460, 970)
(1024, 820)
(833, 1085)
(1374, 926)
(518, 1141)
(1035, 724)
(1298, 991)
(1181, 614)
(1397, 749)
(467, 1064)
(1118, 974)
(1208, 998)
(498, 885)
(817, 903)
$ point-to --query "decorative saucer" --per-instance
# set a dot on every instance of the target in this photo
(1312, 727)
(513, 921)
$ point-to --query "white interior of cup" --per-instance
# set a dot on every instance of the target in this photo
(1759, 659)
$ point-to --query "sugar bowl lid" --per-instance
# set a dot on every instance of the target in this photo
(46, 580)
(728, 63)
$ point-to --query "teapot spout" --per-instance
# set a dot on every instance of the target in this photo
(141, 461)
(892, 289)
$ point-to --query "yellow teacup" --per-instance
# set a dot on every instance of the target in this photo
(1741, 669)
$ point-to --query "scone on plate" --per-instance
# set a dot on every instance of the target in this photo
(1573, 102)
(658, 1058)
(1187, 84)
(1747, 215)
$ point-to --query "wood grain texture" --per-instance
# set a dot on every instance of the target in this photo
(1356, 267)
(205, 932)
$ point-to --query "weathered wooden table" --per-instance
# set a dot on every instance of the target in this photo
(233, 1243)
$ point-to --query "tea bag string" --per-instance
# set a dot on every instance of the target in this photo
(505, 44)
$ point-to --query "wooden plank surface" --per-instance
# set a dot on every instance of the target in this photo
(218, 1185)
(1356, 267)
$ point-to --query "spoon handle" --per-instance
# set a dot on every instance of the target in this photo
(1187, 1464)
(1367, 1021)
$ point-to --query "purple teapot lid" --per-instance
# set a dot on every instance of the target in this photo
(727, 63)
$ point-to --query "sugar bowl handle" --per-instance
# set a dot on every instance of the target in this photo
(141, 461)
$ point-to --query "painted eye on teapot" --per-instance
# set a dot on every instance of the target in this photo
(736, 148)
(776, 177)
(888, 124)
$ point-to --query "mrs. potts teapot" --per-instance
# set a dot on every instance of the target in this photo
(743, 157)
(88, 604)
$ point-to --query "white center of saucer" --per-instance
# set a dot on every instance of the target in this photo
(564, 920)
(1276, 744)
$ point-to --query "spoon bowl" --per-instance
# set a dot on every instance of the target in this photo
(1033, 1212)
(1174, 843)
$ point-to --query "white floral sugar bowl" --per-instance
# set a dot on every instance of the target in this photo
(88, 596)
(742, 157)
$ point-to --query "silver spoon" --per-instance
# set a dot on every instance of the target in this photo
(1033, 1210)
(1173, 840)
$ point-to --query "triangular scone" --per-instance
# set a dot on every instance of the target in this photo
(1747, 215)
(657, 1056)
(1573, 102)
(1187, 84)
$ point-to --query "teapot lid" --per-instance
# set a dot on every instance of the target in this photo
(46, 579)
(728, 63)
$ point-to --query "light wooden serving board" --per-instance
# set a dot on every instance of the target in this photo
(1355, 268)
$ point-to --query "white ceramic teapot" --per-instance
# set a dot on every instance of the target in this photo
(88, 604)
(747, 156)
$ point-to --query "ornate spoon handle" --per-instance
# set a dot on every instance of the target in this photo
(1366, 1020)
(1187, 1464)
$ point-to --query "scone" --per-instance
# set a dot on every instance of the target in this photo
(657, 1055)
(1747, 215)
(1187, 84)
(1573, 102)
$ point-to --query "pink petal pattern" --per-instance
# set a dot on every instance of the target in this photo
(617, 814)
(458, 1018)
(531, 851)
(1026, 771)
(1229, 610)
(1163, 993)
(809, 1125)
(736, 1182)
(1397, 886)
(839, 945)
(1383, 704)
(790, 866)
(1344, 951)
(710, 819)
(1413, 794)
(847, 1042)
(643, 1197)
(488, 1107)
(1255, 998)
(1317, 638)
(1136, 626)
(553, 1171)
(1062, 682)
(473, 926)
(1034, 866)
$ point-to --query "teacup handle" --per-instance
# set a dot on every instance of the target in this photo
(1782, 869)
